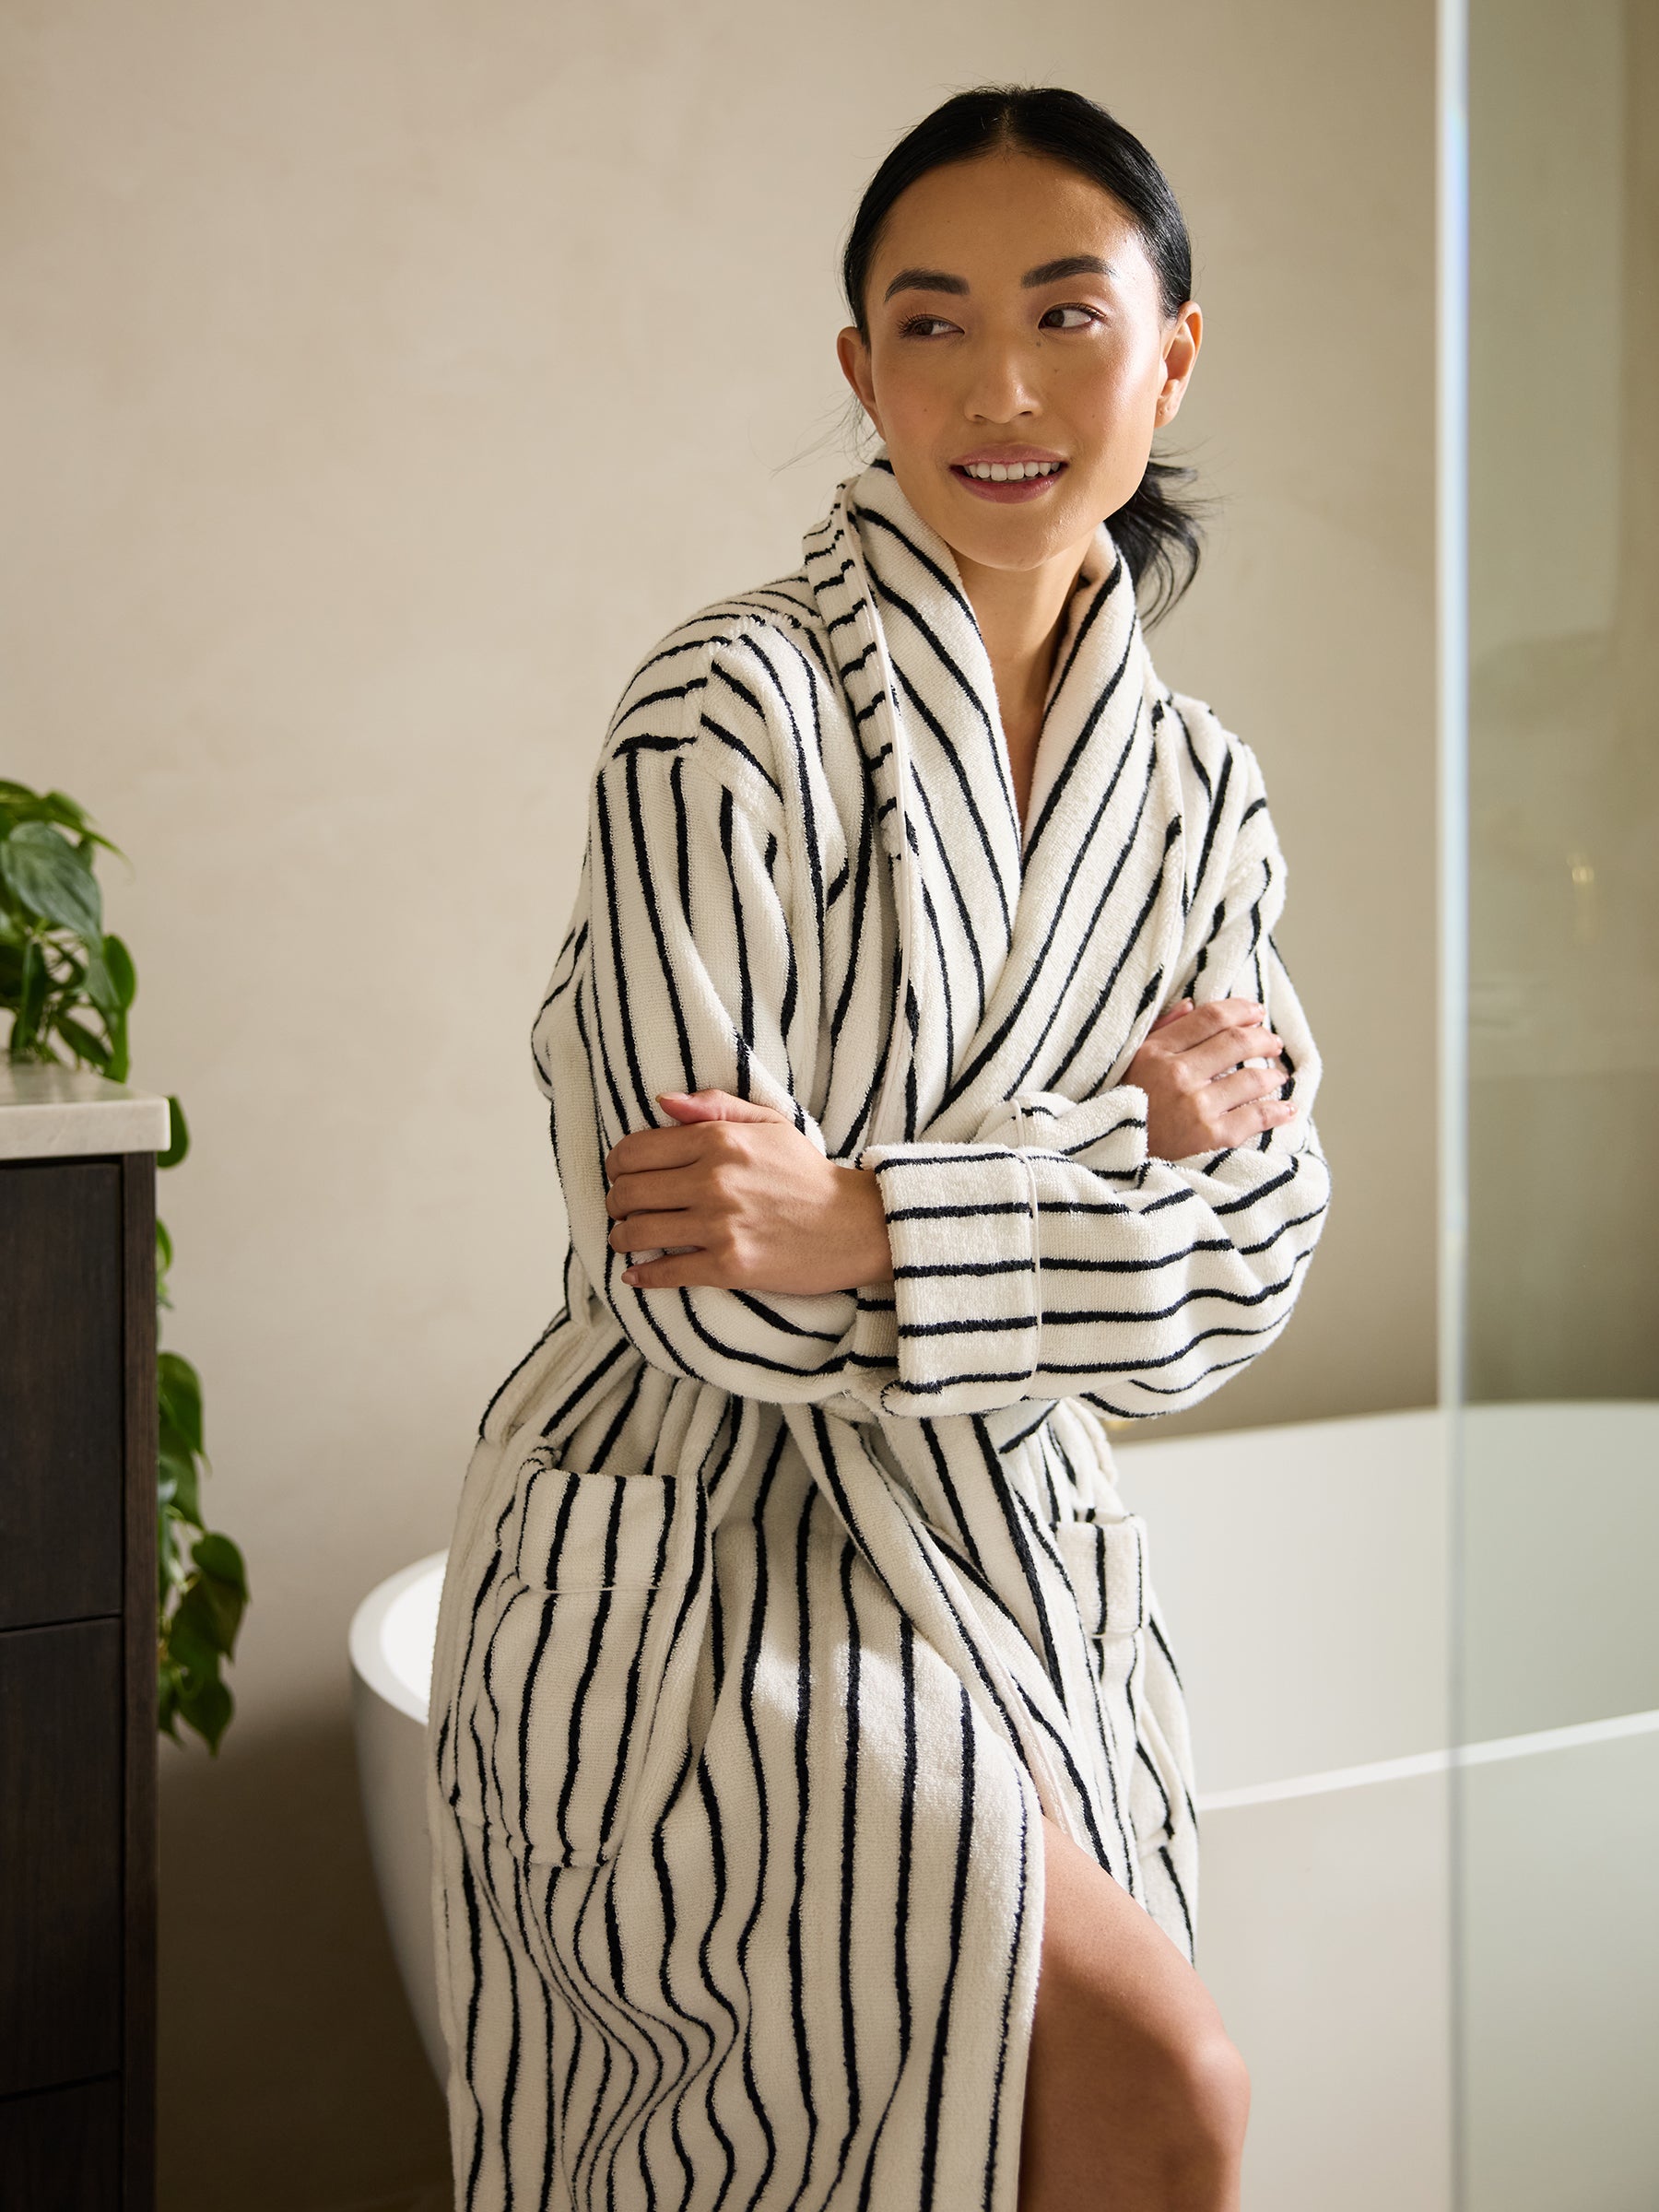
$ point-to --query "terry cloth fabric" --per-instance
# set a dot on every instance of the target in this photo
(772, 1623)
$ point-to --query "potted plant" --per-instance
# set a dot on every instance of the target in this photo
(67, 985)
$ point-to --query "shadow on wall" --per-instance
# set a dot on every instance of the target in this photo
(279, 1997)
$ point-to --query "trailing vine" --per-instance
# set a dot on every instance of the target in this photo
(68, 985)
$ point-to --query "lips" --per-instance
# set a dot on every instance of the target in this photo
(1026, 459)
(1009, 474)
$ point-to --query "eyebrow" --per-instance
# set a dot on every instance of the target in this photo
(1048, 272)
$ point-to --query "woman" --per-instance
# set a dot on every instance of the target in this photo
(811, 1789)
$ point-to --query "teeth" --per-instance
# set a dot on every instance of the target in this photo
(995, 472)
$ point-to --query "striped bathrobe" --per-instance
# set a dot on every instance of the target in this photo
(773, 1623)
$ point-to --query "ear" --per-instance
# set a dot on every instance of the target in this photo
(853, 354)
(1181, 353)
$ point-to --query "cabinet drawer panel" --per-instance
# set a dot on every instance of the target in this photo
(61, 1848)
(60, 2149)
(61, 1436)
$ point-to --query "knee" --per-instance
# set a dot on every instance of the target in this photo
(1209, 2102)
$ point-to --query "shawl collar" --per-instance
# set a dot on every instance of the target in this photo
(1026, 976)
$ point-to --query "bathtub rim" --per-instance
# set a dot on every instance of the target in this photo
(366, 1637)
(369, 1661)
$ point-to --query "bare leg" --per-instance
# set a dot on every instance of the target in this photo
(1136, 2100)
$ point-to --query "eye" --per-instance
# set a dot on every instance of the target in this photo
(923, 326)
(1085, 314)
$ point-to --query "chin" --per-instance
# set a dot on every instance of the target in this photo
(1011, 539)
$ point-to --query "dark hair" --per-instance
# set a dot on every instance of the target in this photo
(1157, 531)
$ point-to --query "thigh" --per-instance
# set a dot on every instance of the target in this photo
(1134, 2096)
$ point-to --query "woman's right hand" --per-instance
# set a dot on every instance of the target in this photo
(1200, 1096)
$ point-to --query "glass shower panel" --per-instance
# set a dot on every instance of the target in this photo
(1557, 1788)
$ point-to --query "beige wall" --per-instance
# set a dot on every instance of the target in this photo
(380, 381)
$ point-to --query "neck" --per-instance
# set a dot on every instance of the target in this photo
(1019, 613)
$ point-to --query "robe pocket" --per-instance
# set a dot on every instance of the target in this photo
(1107, 1563)
(555, 1707)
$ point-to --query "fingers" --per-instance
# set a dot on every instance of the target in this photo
(713, 1105)
(681, 1144)
(643, 1232)
(1195, 1126)
(653, 1190)
(1224, 1049)
(1242, 1086)
(1198, 1022)
(682, 1271)
(688, 1137)
(643, 1151)
(1249, 1120)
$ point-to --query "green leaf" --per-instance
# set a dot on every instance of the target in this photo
(119, 1058)
(180, 1145)
(215, 1555)
(174, 1569)
(182, 1484)
(118, 966)
(64, 810)
(47, 875)
(56, 806)
(90, 1050)
(31, 1001)
(206, 1707)
(174, 1439)
(163, 1248)
(98, 989)
(220, 1605)
(179, 1388)
(192, 1632)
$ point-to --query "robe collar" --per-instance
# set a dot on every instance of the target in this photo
(980, 901)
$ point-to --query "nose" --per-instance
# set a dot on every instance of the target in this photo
(1001, 384)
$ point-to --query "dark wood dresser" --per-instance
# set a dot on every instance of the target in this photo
(78, 1643)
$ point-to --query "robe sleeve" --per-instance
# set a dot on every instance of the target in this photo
(1052, 1257)
(679, 974)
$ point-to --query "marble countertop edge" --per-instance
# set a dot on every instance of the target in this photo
(49, 1113)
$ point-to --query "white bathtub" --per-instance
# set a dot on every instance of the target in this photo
(1304, 1573)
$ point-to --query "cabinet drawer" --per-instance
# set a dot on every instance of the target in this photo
(61, 1811)
(61, 1399)
(60, 2149)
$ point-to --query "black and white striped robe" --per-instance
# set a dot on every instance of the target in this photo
(771, 1623)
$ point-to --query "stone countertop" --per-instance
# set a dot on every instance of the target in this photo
(64, 1112)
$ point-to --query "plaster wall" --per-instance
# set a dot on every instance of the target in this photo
(380, 381)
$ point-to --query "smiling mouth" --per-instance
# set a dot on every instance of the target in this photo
(1007, 481)
(1011, 472)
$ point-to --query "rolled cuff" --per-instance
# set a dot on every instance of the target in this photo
(963, 1223)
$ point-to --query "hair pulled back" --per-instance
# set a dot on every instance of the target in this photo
(1156, 530)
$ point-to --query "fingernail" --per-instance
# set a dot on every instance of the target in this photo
(629, 1275)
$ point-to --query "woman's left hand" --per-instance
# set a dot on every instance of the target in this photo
(749, 1201)
(1212, 1075)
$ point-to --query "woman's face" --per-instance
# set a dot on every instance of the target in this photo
(1014, 318)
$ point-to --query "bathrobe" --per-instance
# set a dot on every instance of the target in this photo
(773, 1624)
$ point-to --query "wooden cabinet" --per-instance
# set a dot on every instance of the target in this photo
(77, 1644)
